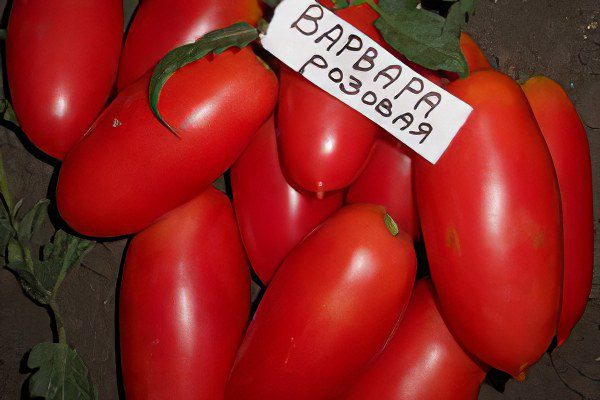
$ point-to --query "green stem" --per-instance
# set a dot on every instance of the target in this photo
(60, 327)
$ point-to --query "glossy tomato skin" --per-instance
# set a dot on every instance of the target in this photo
(159, 26)
(387, 180)
(272, 215)
(423, 360)
(324, 143)
(310, 338)
(491, 221)
(129, 170)
(567, 141)
(184, 303)
(62, 59)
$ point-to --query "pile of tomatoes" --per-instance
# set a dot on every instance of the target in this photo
(326, 210)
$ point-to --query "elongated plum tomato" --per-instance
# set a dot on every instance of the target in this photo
(567, 141)
(272, 215)
(184, 303)
(62, 58)
(324, 143)
(491, 221)
(423, 360)
(129, 169)
(310, 338)
(159, 26)
(387, 180)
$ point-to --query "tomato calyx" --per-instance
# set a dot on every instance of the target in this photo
(391, 225)
(216, 42)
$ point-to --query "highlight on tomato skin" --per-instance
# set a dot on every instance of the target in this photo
(567, 142)
(296, 346)
(57, 84)
(129, 170)
(272, 215)
(159, 26)
(184, 302)
(422, 360)
(494, 240)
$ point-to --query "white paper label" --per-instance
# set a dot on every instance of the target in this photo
(351, 66)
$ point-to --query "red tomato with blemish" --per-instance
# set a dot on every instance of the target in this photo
(491, 220)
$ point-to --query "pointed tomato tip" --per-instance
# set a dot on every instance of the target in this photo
(521, 377)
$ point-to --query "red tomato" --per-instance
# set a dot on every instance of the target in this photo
(324, 143)
(568, 145)
(129, 170)
(329, 310)
(159, 26)
(273, 216)
(423, 360)
(184, 303)
(491, 221)
(62, 59)
(387, 180)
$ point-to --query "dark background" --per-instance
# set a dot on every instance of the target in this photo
(557, 38)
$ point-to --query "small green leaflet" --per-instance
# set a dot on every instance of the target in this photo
(61, 374)
(41, 280)
(239, 35)
(7, 112)
(32, 220)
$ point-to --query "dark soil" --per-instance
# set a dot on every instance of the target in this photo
(557, 38)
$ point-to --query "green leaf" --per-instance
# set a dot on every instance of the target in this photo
(425, 37)
(42, 280)
(7, 112)
(61, 374)
(59, 258)
(239, 35)
(6, 233)
(15, 252)
(16, 208)
(30, 283)
(32, 221)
